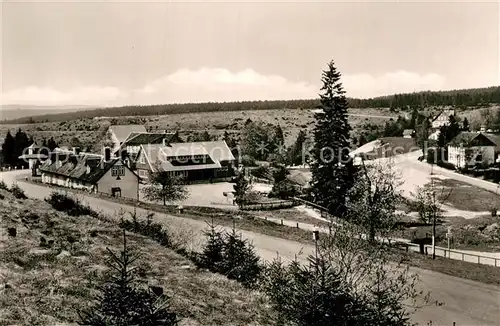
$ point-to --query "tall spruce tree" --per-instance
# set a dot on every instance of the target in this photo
(465, 125)
(332, 169)
(8, 149)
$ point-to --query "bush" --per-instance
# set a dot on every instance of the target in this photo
(283, 190)
(262, 172)
(123, 303)
(247, 160)
(69, 205)
(3, 185)
(17, 192)
(147, 228)
(226, 253)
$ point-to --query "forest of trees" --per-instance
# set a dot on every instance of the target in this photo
(458, 98)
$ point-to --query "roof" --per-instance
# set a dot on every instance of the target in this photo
(33, 156)
(214, 152)
(76, 168)
(407, 131)
(445, 112)
(123, 131)
(140, 138)
(467, 137)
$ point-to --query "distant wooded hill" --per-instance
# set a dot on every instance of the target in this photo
(459, 98)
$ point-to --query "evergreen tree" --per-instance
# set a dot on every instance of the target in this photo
(21, 142)
(52, 144)
(278, 140)
(240, 188)
(122, 302)
(8, 149)
(465, 125)
(212, 255)
(362, 140)
(295, 153)
(229, 140)
(453, 128)
(332, 169)
(423, 134)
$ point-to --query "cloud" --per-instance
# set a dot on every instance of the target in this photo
(217, 84)
(364, 85)
(32, 95)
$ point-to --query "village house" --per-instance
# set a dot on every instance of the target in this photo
(408, 133)
(193, 161)
(472, 148)
(34, 155)
(132, 144)
(91, 172)
(119, 133)
(442, 118)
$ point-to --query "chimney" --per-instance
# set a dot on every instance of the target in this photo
(163, 142)
(77, 150)
(88, 169)
(107, 154)
(73, 150)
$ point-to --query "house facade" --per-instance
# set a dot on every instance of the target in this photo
(194, 161)
(471, 149)
(442, 118)
(91, 172)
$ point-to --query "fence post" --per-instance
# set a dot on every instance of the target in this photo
(478, 259)
(281, 221)
(495, 262)
(297, 225)
(462, 256)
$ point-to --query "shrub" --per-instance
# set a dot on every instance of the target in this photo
(12, 232)
(147, 228)
(123, 303)
(17, 192)
(3, 185)
(228, 254)
(261, 172)
(69, 205)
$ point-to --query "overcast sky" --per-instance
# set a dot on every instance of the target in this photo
(102, 53)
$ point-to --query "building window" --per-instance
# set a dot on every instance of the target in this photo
(117, 171)
(142, 159)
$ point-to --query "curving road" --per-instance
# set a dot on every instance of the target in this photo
(466, 302)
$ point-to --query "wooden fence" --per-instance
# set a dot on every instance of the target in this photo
(268, 206)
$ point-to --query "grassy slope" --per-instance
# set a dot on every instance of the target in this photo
(44, 286)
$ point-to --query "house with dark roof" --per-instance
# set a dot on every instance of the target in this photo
(132, 144)
(473, 148)
(92, 172)
(119, 133)
(193, 161)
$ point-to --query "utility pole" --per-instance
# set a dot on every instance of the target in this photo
(434, 213)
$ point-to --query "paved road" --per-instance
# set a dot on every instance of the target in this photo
(466, 302)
